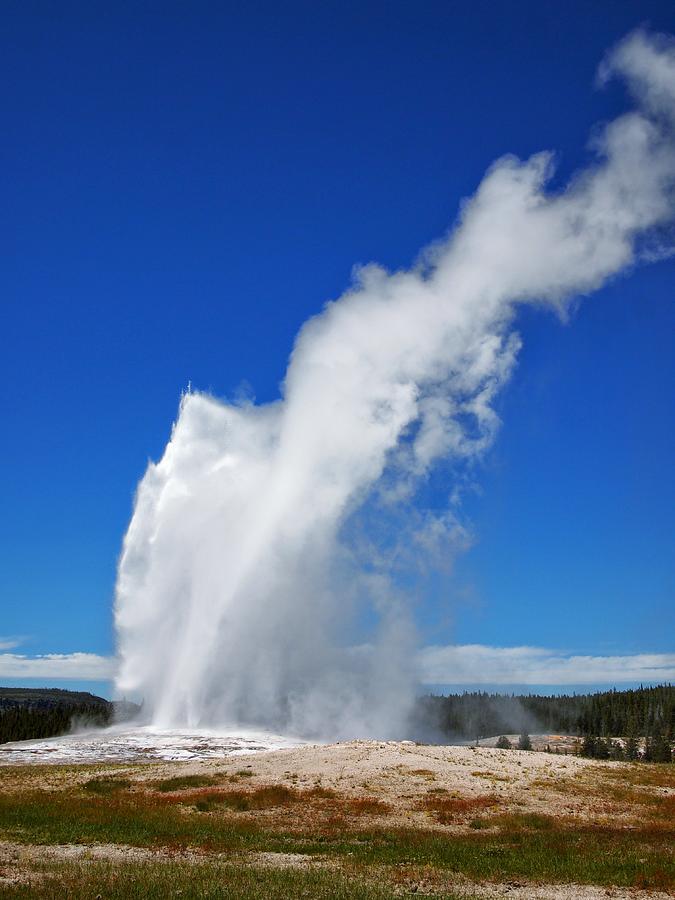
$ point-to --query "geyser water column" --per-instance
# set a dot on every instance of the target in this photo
(236, 582)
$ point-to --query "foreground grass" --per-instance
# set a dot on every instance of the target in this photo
(156, 881)
(635, 785)
(499, 847)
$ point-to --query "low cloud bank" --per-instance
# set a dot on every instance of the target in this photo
(478, 664)
(8, 643)
(462, 664)
(66, 666)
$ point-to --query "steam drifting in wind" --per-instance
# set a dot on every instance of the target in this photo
(238, 581)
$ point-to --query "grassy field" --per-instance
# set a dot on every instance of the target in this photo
(150, 880)
(85, 831)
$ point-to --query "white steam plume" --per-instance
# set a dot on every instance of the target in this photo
(237, 581)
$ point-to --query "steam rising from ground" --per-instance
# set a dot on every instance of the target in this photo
(240, 575)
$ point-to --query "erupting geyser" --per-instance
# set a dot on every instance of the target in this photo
(237, 582)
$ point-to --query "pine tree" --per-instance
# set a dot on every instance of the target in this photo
(601, 749)
(631, 749)
(588, 746)
(524, 742)
(616, 751)
(660, 748)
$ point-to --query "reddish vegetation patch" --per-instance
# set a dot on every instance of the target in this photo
(369, 806)
(321, 793)
(274, 797)
(666, 807)
(261, 798)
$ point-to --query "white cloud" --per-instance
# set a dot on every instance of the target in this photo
(9, 643)
(75, 666)
(449, 664)
(480, 664)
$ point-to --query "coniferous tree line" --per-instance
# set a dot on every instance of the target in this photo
(21, 723)
(47, 697)
(27, 713)
(644, 718)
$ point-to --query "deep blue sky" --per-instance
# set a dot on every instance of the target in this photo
(183, 184)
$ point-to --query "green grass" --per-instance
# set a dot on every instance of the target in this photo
(208, 881)
(511, 822)
(526, 846)
(119, 818)
(185, 782)
(106, 785)
(590, 856)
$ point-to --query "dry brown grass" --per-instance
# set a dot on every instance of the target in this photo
(628, 796)
(265, 797)
(321, 805)
(368, 806)
(512, 822)
(643, 775)
(448, 810)
(492, 776)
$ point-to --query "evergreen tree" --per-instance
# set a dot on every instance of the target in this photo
(588, 746)
(648, 752)
(660, 748)
(616, 751)
(632, 750)
(601, 749)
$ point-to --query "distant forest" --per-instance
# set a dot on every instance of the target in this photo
(31, 714)
(644, 717)
(643, 713)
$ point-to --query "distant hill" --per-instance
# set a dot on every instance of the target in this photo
(33, 713)
(43, 698)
